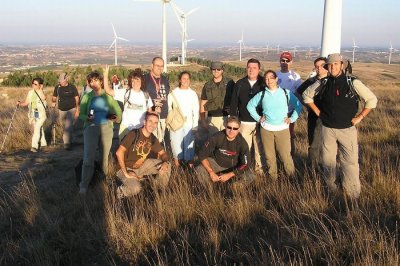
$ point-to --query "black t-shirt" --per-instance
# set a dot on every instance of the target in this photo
(158, 94)
(66, 96)
(228, 154)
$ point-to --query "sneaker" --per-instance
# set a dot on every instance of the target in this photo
(34, 150)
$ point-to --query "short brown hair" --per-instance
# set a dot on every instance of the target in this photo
(233, 119)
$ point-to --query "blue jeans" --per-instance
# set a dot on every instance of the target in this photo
(182, 143)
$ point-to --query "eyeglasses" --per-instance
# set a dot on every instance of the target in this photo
(232, 128)
(216, 69)
(285, 61)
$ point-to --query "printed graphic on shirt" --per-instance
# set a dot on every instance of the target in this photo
(228, 153)
(142, 150)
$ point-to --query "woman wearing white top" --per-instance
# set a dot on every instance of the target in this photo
(135, 99)
(182, 141)
(36, 102)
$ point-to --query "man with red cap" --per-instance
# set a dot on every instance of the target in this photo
(288, 79)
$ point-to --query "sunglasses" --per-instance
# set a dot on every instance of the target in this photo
(216, 69)
(232, 128)
(285, 61)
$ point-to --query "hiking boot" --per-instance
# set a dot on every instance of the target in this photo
(34, 150)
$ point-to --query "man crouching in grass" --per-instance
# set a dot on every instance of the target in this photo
(141, 154)
(224, 156)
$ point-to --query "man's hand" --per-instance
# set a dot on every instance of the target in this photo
(357, 119)
(214, 177)
(262, 119)
(131, 175)
(287, 120)
(226, 177)
(164, 167)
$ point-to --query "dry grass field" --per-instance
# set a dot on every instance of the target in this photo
(43, 221)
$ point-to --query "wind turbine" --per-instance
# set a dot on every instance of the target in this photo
(241, 44)
(182, 18)
(391, 51)
(331, 27)
(277, 49)
(114, 43)
(294, 50)
(164, 29)
(354, 49)
(267, 48)
(309, 52)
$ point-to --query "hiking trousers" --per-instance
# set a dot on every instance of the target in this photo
(344, 141)
(94, 135)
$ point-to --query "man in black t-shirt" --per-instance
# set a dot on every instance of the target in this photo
(157, 86)
(68, 105)
(225, 156)
(141, 154)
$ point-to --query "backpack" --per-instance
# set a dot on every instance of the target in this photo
(128, 91)
(352, 91)
(259, 105)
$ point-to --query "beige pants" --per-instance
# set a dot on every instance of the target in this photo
(344, 141)
(38, 137)
(277, 142)
(215, 124)
(252, 136)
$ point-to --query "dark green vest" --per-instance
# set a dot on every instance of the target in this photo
(215, 96)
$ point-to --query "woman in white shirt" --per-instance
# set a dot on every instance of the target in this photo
(182, 140)
(135, 99)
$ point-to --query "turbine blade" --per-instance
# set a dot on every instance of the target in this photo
(120, 38)
(115, 34)
(180, 11)
(192, 11)
(176, 11)
(147, 0)
(112, 44)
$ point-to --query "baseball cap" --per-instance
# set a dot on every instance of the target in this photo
(217, 65)
(334, 58)
(286, 55)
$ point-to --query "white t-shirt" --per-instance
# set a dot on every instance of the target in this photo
(135, 107)
(290, 80)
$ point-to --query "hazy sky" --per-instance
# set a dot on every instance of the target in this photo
(289, 22)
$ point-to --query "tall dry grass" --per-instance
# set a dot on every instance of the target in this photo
(290, 221)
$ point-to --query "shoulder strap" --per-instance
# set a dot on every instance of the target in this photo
(261, 99)
(137, 135)
(174, 100)
(353, 91)
(287, 97)
(44, 106)
(126, 99)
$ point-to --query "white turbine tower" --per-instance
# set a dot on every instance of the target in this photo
(164, 29)
(241, 45)
(354, 49)
(391, 51)
(267, 48)
(182, 19)
(277, 49)
(332, 27)
(294, 50)
(114, 43)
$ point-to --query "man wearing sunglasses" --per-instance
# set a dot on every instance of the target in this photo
(224, 156)
(216, 99)
(288, 79)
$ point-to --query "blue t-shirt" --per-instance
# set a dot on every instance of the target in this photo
(100, 108)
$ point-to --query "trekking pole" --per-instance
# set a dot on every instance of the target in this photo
(8, 129)
(54, 134)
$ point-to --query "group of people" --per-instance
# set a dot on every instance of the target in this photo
(248, 123)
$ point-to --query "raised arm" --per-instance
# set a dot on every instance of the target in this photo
(107, 87)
